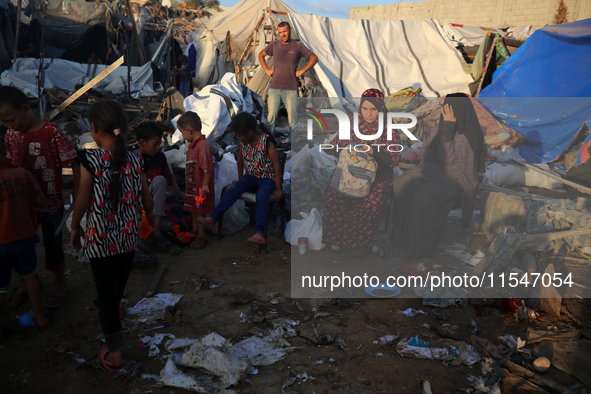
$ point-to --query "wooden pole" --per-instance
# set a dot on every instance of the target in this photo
(136, 33)
(85, 88)
(18, 28)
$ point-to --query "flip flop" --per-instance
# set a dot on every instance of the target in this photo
(257, 239)
(198, 243)
(106, 364)
(58, 300)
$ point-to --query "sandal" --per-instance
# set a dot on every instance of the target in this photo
(258, 239)
(58, 299)
(17, 296)
(198, 243)
(106, 364)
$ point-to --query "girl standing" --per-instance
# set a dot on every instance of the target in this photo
(258, 158)
(111, 184)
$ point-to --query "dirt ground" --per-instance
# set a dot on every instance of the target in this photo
(238, 281)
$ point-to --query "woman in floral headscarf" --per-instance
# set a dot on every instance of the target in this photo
(351, 222)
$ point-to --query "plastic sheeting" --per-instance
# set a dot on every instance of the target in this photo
(65, 74)
(216, 104)
(555, 62)
(390, 55)
(549, 124)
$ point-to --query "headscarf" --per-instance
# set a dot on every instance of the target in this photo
(189, 39)
(375, 97)
(467, 124)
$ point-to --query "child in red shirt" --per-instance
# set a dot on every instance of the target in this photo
(19, 192)
(41, 148)
(198, 174)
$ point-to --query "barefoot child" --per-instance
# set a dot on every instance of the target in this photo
(149, 136)
(41, 148)
(19, 193)
(258, 158)
(198, 173)
(112, 189)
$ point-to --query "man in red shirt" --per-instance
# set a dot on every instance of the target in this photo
(41, 148)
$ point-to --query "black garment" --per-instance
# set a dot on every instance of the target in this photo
(110, 276)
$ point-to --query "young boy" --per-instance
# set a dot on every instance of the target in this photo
(184, 75)
(149, 136)
(198, 175)
(41, 148)
(19, 192)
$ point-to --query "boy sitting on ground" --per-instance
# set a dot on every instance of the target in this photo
(149, 136)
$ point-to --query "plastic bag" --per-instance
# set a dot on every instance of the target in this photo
(236, 217)
(310, 227)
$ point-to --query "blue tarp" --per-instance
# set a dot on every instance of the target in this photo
(555, 62)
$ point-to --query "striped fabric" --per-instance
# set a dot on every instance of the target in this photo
(110, 233)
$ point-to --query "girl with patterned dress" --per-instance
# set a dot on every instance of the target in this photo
(111, 193)
(351, 222)
(258, 170)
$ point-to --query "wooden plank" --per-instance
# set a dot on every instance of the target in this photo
(572, 184)
(536, 378)
(85, 88)
(251, 41)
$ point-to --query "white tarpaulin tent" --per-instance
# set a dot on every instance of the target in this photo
(65, 74)
(390, 55)
(241, 21)
(467, 35)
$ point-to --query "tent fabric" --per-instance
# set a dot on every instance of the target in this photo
(467, 35)
(216, 104)
(549, 124)
(71, 13)
(65, 74)
(555, 63)
(390, 55)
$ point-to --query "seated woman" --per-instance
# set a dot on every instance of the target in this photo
(351, 222)
(447, 178)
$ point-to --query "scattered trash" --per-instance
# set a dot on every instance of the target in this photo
(263, 351)
(524, 312)
(171, 376)
(386, 339)
(446, 350)
(27, 320)
(410, 312)
(148, 310)
(512, 342)
(460, 252)
(218, 356)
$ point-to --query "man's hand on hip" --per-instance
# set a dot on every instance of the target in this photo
(269, 72)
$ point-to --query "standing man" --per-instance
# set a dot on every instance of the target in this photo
(284, 76)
